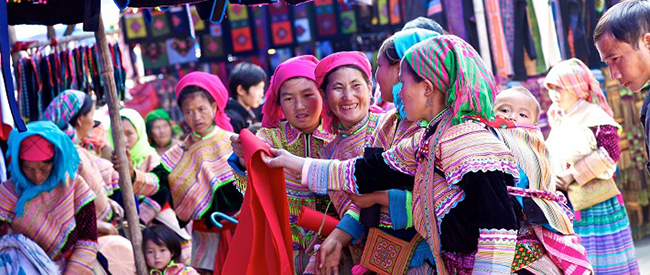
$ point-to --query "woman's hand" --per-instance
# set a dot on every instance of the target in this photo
(283, 159)
(363, 201)
(118, 211)
(328, 257)
(116, 164)
(562, 181)
(235, 142)
(106, 228)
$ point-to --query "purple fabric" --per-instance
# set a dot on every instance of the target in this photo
(607, 137)
(455, 18)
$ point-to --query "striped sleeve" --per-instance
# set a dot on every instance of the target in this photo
(592, 166)
(82, 259)
(146, 184)
(8, 201)
(495, 251)
(323, 175)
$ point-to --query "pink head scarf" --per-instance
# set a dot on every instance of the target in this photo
(300, 66)
(574, 76)
(213, 85)
(329, 64)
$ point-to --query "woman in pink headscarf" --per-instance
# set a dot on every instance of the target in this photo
(584, 145)
(292, 121)
(195, 172)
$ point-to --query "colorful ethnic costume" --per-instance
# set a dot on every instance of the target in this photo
(584, 142)
(174, 269)
(98, 173)
(282, 135)
(58, 214)
(196, 174)
(462, 172)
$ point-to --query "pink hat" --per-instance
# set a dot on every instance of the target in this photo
(36, 148)
(213, 85)
(300, 66)
(330, 63)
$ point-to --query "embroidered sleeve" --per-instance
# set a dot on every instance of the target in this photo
(8, 201)
(592, 166)
(148, 184)
(323, 175)
(401, 208)
(241, 178)
(85, 249)
(148, 209)
(350, 224)
(401, 157)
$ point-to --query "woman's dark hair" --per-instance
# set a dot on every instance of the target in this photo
(327, 77)
(415, 75)
(245, 74)
(192, 90)
(423, 23)
(85, 109)
(388, 50)
(627, 21)
(163, 236)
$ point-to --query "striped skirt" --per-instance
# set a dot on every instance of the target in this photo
(605, 232)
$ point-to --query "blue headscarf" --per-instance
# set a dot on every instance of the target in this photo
(404, 40)
(66, 161)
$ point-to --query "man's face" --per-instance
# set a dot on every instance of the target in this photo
(630, 66)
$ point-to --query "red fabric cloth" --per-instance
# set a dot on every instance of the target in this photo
(213, 85)
(262, 241)
(312, 220)
(300, 66)
(330, 63)
(36, 148)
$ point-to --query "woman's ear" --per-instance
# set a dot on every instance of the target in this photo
(428, 88)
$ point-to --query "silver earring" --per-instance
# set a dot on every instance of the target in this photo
(429, 103)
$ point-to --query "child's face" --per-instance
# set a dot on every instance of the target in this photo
(517, 107)
(157, 257)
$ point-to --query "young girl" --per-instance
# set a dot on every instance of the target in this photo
(162, 250)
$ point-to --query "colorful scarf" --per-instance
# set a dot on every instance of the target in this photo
(457, 70)
(162, 114)
(66, 161)
(331, 63)
(141, 149)
(404, 40)
(213, 85)
(62, 108)
(574, 76)
(300, 66)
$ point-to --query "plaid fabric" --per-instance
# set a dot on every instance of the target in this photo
(457, 70)
(574, 76)
(63, 107)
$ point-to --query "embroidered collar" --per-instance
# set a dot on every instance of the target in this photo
(292, 133)
(574, 109)
(154, 271)
(355, 128)
(211, 133)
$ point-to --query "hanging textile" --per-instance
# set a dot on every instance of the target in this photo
(502, 61)
(325, 17)
(484, 45)
(212, 43)
(261, 27)
(548, 35)
(240, 31)
(382, 12)
(301, 24)
(160, 24)
(347, 18)
(281, 29)
(523, 42)
(456, 18)
(395, 12)
(540, 62)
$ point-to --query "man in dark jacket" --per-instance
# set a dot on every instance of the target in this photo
(622, 38)
(246, 86)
